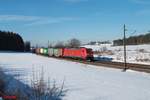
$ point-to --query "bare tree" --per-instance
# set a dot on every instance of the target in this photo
(43, 90)
(59, 44)
(50, 45)
(74, 43)
(27, 46)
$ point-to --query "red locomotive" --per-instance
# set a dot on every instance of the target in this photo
(81, 53)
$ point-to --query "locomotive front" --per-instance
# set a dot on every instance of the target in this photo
(89, 55)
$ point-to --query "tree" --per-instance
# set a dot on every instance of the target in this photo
(73, 43)
(11, 41)
(59, 44)
(50, 45)
(134, 40)
(27, 46)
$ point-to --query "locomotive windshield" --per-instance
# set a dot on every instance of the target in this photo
(89, 50)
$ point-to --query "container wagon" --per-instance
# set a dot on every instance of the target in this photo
(45, 51)
(50, 52)
(41, 51)
(58, 52)
(37, 50)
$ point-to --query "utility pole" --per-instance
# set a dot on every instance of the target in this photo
(124, 44)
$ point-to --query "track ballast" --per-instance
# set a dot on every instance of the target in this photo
(118, 65)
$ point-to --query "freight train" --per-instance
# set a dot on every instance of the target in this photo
(75, 53)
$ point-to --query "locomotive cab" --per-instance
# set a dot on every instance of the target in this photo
(87, 54)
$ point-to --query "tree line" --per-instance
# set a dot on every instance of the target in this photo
(98, 42)
(72, 43)
(134, 40)
(10, 41)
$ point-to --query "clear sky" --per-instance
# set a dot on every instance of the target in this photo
(59, 20)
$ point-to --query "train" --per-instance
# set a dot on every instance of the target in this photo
(75, 53)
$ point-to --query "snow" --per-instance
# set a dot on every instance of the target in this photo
(135, 53)
(83, 82)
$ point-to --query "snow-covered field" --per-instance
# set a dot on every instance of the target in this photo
(135, 53)
(84, 82)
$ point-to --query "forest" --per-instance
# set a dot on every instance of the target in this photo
(134, 40)
(10, 41)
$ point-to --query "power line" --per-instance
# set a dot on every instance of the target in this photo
(133, 33)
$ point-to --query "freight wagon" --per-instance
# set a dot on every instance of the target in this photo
(58, 52)
(37, 50)
(55, 52)
(50, 52)
(41, 50)
(45, 51)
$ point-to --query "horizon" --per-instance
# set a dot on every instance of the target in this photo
(87, 20)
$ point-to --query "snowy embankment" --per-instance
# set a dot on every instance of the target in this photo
(135, 53)
(84, 82)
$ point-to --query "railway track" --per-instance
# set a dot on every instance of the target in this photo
(118, 65)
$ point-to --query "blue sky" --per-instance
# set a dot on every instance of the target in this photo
(59, 20)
